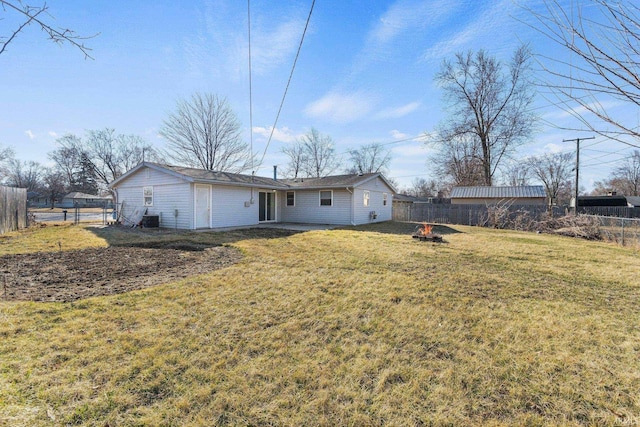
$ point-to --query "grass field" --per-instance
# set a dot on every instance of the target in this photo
(358, 326)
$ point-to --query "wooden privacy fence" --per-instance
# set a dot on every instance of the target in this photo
(464, 214)
(13, 208)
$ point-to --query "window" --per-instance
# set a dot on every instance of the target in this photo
(384, 199)
(291, 198)
(326, 198)
(147, 193)
(366, 198)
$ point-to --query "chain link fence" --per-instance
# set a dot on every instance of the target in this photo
(624, 231)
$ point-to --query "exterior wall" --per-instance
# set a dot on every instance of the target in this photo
(376, 188)
(228, 206)
(515, 201)
(169, 194)
(307, 208)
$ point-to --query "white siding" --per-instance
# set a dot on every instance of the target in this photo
(307, 208)
(376, 188)
(169, 193)
(228, 206)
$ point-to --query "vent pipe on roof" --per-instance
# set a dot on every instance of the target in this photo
(275, 172)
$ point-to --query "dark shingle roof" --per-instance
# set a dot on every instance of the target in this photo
(329, 181)
(224, 177)
(213, 177)
(522, 191)
(634, 201)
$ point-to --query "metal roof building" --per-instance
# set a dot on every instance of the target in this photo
(523, 194)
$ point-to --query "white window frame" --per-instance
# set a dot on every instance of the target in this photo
(384, 199)
(330, 198)
(366, 197)
(286, 199)
(147, 193)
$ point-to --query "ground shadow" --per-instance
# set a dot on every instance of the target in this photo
(186, 240)
(401, 228)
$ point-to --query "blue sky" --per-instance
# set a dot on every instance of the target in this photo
(365, 73)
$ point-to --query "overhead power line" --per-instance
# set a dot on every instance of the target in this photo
(284, 95)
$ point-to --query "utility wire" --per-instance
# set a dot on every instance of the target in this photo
(250, 86)
(284, 95)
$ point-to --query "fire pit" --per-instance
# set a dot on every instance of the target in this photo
(424, 233)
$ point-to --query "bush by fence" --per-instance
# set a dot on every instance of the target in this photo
(13, 209)
(592, 223)
(470, 214)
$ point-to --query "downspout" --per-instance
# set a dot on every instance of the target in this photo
(351, 210)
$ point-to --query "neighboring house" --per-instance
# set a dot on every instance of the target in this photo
(82, 200)
(188, 198)
(516, 195)
(35, 199)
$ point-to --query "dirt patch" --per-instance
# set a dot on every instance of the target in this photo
(72, 275)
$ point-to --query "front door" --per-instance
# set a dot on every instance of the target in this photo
(267, 206)
(203, 209)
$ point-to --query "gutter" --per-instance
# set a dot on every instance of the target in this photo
(353, 223)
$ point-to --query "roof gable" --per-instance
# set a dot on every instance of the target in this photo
(509, 192)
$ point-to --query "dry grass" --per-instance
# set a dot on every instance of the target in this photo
(362, 326)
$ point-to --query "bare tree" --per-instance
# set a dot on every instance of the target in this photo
(458, 161)
(321, 159)
(114, 154)
(554, 171)
(420, 187)
(6, 154)
(24, 174)
(25, 14)
(102, 154)
(204, 132)
(67, 156)
(488, 108)
(603, 65)
(516, 173)
(54, 183)
(628, 175)
(624, 180)
(297, 159)
(370, 158)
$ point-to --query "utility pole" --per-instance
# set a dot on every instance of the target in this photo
(577, 140)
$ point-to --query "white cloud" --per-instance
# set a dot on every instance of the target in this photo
(221, 45)
(271, 48)
(341, 108)
(283, 134)
(396, 113)
(30, 134)
(52, 134)
(396, 134)
(405, 15)
(493, 20)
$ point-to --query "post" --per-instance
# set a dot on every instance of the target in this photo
(577, 140)
(575, 206)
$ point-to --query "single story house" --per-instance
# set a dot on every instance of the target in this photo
(189, 198)
(77, 199)
(517, 195)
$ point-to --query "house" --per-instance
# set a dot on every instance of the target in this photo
(77, 199)
(35, 199)
(517, 195)
(188, 198)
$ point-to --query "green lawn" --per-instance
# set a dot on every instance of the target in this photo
(358, 326)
